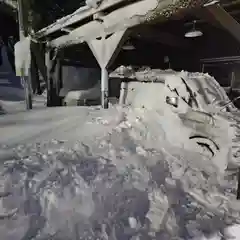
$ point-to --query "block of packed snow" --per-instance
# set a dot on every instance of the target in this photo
(22, 57)
(93, 93)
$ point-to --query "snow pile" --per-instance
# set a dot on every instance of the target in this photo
(204, 88)
(125, 173)
(194, 123)
(93, 93)
(118, 185)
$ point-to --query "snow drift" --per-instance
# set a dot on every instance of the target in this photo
(119, 174)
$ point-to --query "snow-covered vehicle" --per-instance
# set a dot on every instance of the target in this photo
(191, 102)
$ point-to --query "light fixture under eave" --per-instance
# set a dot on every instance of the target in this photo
(194, 32)
(128, 46)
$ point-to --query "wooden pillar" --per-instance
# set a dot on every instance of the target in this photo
(26, 80)
(238, 187)
(104, 87)
(28, 90)
(105, 51)
(53, 77)
(48, 62)
(58, 81)
(35, 81)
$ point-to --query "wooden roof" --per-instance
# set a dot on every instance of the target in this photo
(80, 26)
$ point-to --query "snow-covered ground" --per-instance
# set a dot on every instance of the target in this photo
(89, 173)
(11, 91)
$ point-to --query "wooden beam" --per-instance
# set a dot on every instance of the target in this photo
(225, 19)
(105, 51)
(206, 16)
(79, 15)
(118, 20)
(230, 4)
(129, 14)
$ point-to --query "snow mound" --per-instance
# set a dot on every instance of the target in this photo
(193, 122)
(119, 185)
(125, 173)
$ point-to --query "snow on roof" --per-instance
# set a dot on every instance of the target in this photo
(123, 14)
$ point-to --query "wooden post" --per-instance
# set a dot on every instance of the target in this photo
(26, 80)
(238, 188)
(58, 81)
(104, 87)
(20, 20)
(49, 78)
(52, 81)
(105, 51)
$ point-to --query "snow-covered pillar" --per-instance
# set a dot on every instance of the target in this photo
(104, 87)
(105, 51)
(25, 76)
(23, 64)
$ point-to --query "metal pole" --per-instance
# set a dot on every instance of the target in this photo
(104, 87)
(25, 79)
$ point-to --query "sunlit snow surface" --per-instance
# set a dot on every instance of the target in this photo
(109, 184)
(111, 174)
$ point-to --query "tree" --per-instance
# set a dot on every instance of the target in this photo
(41, 13)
